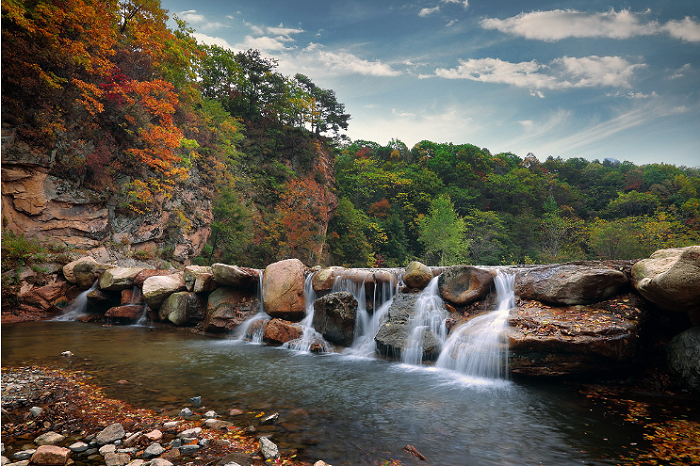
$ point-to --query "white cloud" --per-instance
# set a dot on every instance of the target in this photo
(561, 73)
(209, 40)
(283, 31)
(265, 44)
(680, 73)
(191, 16)
(316, 60)
(688, 29)
(428, 11)
(464, 3)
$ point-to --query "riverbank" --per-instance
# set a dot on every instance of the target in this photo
(66, 409)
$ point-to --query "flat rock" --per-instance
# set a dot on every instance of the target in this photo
(50, 455)
(110, 434)
(49, 438)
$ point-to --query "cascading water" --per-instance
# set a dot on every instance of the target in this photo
(78, 307)
(476, 348)
(254, 334)
(429, 316)
(310, 337)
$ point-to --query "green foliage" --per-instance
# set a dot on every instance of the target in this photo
(442, 233)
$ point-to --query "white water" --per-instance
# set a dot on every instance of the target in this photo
(310, 337)
(242, 331)
(429, 316)
(78, 307)
(476, 348)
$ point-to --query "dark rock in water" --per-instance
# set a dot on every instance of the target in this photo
(683, 357)
(394, 329)
(334, 317)
(227, 308)
(268, 449)
(128, 312)
(463, 284)
(183, 308)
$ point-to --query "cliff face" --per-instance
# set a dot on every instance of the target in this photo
(39, 204)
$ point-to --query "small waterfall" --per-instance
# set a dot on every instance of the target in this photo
(244, 331)
(137, 298)
(78, 307)
(476, 348)
(429, 316)
(310, 336)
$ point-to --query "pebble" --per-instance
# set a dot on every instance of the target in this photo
(111, 434)
(78, 447)
(154, 435)
(154, 449)
(210, 414)
(49, 438)
(160, 462)
(268, 449)
(24, 454)
(185, 412)
(35, 411)
(190, 432)
(189, 448)
(111, 448)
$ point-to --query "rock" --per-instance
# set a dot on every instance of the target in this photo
(116, 459)
(154, 435)
(133, 439)
(171, 455)
(334, 317)
(463, 284)
(157, 289)
(189, 448)
(119, 278)
(268, 449)
(87, 271)
(321, 463)
(173, 424)
(227, 308)
(78, 447)
(185, 412)
(210, 414)
(50, 455)
(417, 275)
(183, 308)
(128, 312)
(325, 278)
(138, 462)
(109, 448)
(683, 357)
(148, 273)
(283, 290)
(131, 295)
(278, 331)
(193, 272)
(271, 419)
(153, 450)
(567, 340)
(23, 454)
(110, 434)
(394, 328)
(570, 283)
(160, 462)
(190, 433)
(36, 410)
(217, 424)
(670, 278)
(43, 297)
(49, 438)
(234, 276)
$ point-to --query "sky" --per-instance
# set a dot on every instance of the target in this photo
(572, 78)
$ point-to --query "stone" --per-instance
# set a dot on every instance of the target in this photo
(49, 438)
(683, 357)
(127, 312)
(324, 279)
(171, 455)
(190, 433)
(192, 272)
(23, 454)
(185, 412)
(271, 419)
(210, 414)
(321, 463)
(283, 290)
(148, 273)
(278, 331)
(217, 424)
(172, 424)
(227, 308)
(153, 450)
(268, 449)
(417, 275)
(670, 278)
(235, 276)
(138, 462)
(117, 459)
(570, 284)
(394, 328)
(43, 297)
(189, 448)
(183, 308)
(110, 434)
(334, 317)
(50, 455)
(35, 411)
(157, 289)
(463, 284)
(119, 278)
(88, 264)
(78, 447)
(160, 462)
(154, 436)
(109, 448)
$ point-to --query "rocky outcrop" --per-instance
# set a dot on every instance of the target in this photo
(119, 278)
(570, 283)
(670, 278)
(683, 357)
(334, 317)
(227, 308)
(463, 284)
(417, 275)
(283, 290)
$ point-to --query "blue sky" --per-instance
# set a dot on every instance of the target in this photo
(591, 79)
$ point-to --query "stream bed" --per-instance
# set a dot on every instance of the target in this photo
(342, 409)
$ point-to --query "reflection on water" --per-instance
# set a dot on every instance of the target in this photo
(341, 409)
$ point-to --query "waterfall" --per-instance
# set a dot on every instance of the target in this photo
(136, 298)
(243, 331)
(78, 307)
(429, 316)
(476, 348)
(309, 336)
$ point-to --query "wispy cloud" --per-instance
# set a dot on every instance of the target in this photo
(428, 11)
(318, 60)
(561, 73)
(555, 25)
(210, 40)
(198, 20)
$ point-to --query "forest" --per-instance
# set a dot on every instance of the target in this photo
(135, 109)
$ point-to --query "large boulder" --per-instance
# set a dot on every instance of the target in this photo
(324, 279)
(201, 273)
(567, 340)
(334, 317)
(128, 312)
(82, 272)
(683, 357)
(670, 278)
(148, 273)
(417, 275)
(283, 290)
(227, 308)
(238, 277)
(156, 289)
(463, 284)
(119, 278)
(570, 284)
(183, 308)
(278, 331)
(394, 328)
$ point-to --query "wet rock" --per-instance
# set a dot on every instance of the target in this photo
(49, 438)
(283, 290)
(153, 450)
(268, 449)
(235, 276)
(334, 317)
(217, 424)
(83, 272)
(323, 279)
(185, 412)
(183, 308)
(278, 331)
(210, 414)
(119, 278)
(23, 454)
(190, 433)
(110, 434)
(157, 289)
(127, 312)
(148, 273)
(50, 455)
(394, 328)
(570, 283)
(683, 357)
(35, 411)
(227, 308)
(78, 447)
(271, 419)
(670, 278)
(189, 448)
(417, 275)
(463, 284)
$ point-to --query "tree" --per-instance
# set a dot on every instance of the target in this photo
(442, 233)
(230, 227)
(327, 114)
(346, 238)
